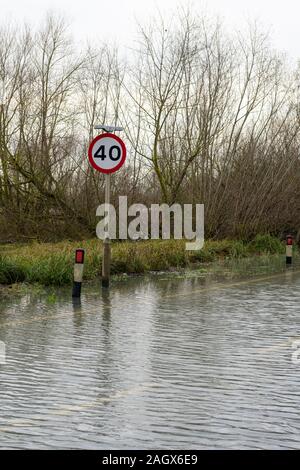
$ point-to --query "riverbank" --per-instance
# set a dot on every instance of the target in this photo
(51, 264)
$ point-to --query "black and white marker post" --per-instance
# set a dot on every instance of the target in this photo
(78, 272)
(107, 154)
(289, 249)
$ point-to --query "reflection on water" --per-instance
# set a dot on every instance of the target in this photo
(157, 363)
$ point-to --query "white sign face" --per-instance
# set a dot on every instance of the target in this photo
(107, 153)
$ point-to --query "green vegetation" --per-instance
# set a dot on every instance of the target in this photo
(52, 264)
(11, 271)
(266, 244)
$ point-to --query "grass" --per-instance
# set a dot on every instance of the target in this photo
(52, 264)
(11, 271)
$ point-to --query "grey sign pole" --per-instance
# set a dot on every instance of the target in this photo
(106, 242)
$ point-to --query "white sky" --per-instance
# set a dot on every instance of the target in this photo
(115, 20)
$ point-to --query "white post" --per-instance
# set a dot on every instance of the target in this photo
(78, 272)
(289, 249)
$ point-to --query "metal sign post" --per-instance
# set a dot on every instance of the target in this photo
(107, 154)
(106, 242)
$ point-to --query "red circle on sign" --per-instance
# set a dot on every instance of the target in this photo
(90, 153)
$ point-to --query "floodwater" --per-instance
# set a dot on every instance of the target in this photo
(164, 362)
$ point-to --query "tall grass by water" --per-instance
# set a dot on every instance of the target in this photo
(52, 264)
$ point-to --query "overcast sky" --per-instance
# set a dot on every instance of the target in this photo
(115, 20)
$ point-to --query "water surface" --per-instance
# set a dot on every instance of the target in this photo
(165, 362)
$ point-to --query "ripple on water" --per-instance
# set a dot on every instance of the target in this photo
(162, 364)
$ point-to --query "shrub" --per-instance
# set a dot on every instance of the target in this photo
(10, 271)
(266, 244)
(53, 269)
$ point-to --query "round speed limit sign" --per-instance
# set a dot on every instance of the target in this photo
(107, 153)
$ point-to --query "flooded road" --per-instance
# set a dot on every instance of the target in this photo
(158, 363)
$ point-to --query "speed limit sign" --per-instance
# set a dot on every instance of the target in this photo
(107, 153)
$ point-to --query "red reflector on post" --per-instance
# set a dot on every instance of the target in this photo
(79, 256)
(289, 240)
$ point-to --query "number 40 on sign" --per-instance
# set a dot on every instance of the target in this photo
(107, 153)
